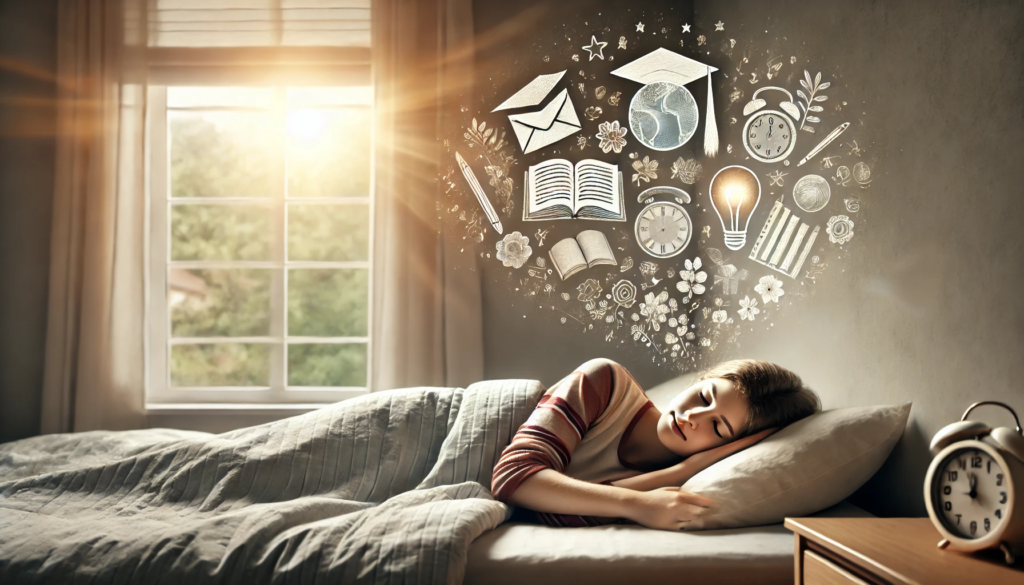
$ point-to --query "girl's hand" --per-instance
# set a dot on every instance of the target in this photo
(669, 508)
(711, 456)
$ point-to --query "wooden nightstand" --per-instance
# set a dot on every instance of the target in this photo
(851, 551)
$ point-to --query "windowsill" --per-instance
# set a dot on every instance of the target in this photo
(232, 408)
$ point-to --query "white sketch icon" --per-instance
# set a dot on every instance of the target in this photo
(811, 193)
(532, 93)
(556, 121)
(595, 48)
(784, 243)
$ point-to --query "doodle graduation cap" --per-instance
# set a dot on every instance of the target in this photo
(660, 70)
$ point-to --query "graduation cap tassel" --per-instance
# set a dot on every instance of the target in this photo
(710, 124)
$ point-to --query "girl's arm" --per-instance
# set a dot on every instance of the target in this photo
(668, 509)
(679, 473)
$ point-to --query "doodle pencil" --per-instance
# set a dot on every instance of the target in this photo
(492, 216)
(825, 142)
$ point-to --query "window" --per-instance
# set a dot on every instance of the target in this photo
(260, 212)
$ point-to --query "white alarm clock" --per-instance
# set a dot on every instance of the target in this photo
(769, 135)
(663, 228)
(974, 484)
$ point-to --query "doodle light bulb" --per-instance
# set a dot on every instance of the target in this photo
(735, 192)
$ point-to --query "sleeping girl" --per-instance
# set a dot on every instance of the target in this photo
(596, 450)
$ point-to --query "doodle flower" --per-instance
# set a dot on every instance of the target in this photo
(770, 289)
(688, 171)
(748, 308)
(593, 112)
(691, 279)
(624, 293)
(655, 309)
(589, 290)
(514, 250)
(646, 170)
(839, 229)
(612, 137)
(671, 338)
(719, 316)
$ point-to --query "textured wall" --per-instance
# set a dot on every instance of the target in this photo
(28, 50)
(928, 305)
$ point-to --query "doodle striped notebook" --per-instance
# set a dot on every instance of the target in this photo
(779, 244)
(555, 189)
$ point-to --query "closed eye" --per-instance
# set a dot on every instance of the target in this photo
(714, 424)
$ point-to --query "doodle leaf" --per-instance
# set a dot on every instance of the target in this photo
(482, 127)
(808, 129)
(488, 133)
(825, 85)
(817, 79)
(715, 255)
(807, 76)
(816, 109)
(813, 119)
(805, 86)
(801, 93)
(473, 124)
(820, 98)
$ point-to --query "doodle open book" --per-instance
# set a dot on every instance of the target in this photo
(588, 249)
(554, 189)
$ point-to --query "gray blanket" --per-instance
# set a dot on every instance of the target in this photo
(387, 488)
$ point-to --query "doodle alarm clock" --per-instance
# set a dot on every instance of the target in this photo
(663, 228)
(769, 136)
(974, 484)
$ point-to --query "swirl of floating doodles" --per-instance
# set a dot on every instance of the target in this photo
(593, 210)
(663, 115)
(811, 193)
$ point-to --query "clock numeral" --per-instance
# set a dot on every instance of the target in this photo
(753, 134)
(947, 490)
(785, 136)
(999, 479)
(989, 470)
(947, 506)
(1002, 496)
(999, 513)
(758, 125)
(961, 464)
(663, 248)
(958, 519)
(771, 121)
(976, 462)
(757, 147)
(644, 229)
(988, 525)
(951, 475)
(974, 527)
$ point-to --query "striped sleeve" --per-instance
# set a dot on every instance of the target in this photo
(556, 426)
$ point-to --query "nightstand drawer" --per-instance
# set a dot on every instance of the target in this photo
(820, 571)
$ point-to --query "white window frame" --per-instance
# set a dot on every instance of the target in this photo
(160, 394)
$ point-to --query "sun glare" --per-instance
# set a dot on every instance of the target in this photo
(306, 125)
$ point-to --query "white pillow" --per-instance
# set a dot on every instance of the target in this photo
(806, 467)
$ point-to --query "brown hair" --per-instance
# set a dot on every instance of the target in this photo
(775, 396)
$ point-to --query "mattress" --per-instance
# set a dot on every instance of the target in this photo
(534, 554)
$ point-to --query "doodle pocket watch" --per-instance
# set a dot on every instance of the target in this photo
(973, 484)
(769, 135)
(663, 228)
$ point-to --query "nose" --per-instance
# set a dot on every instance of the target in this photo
(692, 417)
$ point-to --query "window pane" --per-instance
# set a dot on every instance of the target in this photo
(330, 303)
(328, 232)
(327, 365)
(221, 154)
(221, 364)
(329, 153)
(195, 97)
(228, 303)
(220, 232)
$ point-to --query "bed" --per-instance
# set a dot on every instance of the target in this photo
(527, 553)
(389, 487)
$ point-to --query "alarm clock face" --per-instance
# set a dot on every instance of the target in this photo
(769, 136)
(969, 493)
(663, 229)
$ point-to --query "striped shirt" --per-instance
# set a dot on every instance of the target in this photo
(578, 428)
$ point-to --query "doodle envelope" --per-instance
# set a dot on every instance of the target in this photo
(535, 130)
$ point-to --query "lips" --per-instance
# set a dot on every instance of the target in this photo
(675, 425)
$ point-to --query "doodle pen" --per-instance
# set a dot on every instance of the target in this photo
(492, 216)
(828, 140)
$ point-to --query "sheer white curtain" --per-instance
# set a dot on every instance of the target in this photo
(427, 327)
(93, 375)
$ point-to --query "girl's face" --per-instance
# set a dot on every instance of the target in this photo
(708, 414)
